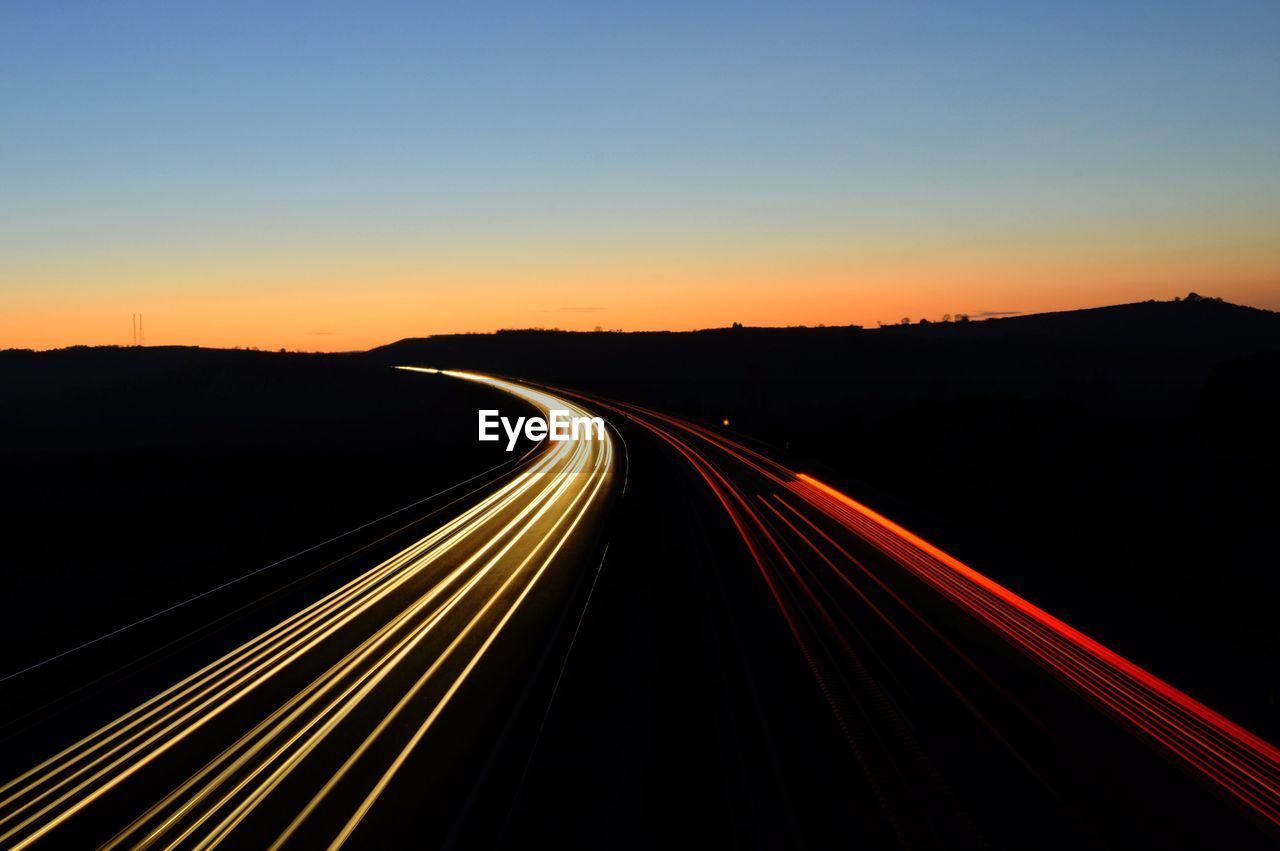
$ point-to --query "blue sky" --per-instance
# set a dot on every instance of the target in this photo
(139, 137)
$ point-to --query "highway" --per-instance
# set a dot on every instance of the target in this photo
(297, 736)
(664, 637)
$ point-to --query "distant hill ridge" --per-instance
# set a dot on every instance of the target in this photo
(1114, 357)
(1107, 358)
(1193, 312)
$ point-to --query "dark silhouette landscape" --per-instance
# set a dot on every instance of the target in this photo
(1097, 430)
(1114, 465)
(1057, 450)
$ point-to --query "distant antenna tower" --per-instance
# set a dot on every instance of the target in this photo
(141, 339)
(133, 318)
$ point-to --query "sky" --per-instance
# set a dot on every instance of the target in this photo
(329, 176)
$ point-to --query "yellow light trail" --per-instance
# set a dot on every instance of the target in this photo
(458, 587)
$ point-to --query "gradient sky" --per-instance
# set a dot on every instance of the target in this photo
(328, 175)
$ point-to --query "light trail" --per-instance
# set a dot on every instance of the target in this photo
(320, 714)
(410, 631)
(1240, 763)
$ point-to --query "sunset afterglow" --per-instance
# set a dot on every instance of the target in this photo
(338, 179)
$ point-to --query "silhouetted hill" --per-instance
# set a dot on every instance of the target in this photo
(1110, 357)
(1116, 465)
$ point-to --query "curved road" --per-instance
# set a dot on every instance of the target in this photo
(760, 660)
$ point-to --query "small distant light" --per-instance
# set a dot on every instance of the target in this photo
(725, 421)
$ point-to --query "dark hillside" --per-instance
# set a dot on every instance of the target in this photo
(1116, 465)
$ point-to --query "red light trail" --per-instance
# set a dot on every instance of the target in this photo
(1239, 762)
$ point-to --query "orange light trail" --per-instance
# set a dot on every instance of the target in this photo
(1242, 763)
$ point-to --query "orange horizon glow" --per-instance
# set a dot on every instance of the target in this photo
(623, 167)
(217, 326)
(353, 304)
